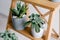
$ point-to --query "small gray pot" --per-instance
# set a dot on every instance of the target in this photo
(55, 0)
(18, 23)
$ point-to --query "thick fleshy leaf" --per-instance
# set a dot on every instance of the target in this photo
(14, 12)
(27, 23)
(8, 36)
(36, 22)
(37, 29)
(19, 6)
(2, 35)
(20, 11)
(32, 25)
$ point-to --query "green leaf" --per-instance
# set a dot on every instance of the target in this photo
(21, 10)
(14, 12)
(36, 22)
(2, 35)
(8, 36)
(18, 6)
(37, 29)
(32, 25)
(27, 23)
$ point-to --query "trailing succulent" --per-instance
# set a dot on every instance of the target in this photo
(8, 36)
(36, 22)
(20, 11)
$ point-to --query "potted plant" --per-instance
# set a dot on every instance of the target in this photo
(8, 36)
(36, 23)
(19, 16)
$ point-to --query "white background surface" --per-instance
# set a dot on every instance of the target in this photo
(4, 9)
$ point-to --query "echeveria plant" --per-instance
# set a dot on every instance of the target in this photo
(36, 22)
(8, 36)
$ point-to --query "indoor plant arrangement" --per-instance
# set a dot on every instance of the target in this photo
(8, 36)
(36, 25)
(19, 16)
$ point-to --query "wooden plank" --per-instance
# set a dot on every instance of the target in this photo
(49, 29)
(45, 4)
(13, 4)
(44, 19)
(26, 32)
(47, 13)
(56, 35)
(37, 10)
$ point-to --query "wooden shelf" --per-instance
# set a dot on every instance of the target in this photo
(26, 32)
(42, 3)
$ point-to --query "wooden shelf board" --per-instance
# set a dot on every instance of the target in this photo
(43, 3)
(26, 32)
(46, 4)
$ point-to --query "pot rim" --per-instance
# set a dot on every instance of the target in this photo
(15, 17)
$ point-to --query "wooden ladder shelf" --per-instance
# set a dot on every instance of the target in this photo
(42, 3)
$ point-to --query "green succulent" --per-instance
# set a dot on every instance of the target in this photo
(8, 36)
(20, 11)
(36, 22)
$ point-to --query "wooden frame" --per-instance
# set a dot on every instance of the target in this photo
(46, 4)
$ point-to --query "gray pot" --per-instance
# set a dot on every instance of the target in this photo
(18, 23)
(55, 0)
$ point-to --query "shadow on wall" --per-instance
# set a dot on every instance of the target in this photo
(2, 15)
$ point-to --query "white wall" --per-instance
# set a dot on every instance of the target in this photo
(4, 6)
(4, 12)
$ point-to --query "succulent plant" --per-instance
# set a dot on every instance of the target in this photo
(36, 22)
(20, 11)
(8, 36)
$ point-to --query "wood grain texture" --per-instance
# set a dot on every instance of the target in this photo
(49, 28)
(13, 4)
(37, 9)
(45, 4)
(26, 32)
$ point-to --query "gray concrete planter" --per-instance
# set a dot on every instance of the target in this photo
(18, 23)
(55, 0)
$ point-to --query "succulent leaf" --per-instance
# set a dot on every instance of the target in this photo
(36, 22)
(20, 11)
